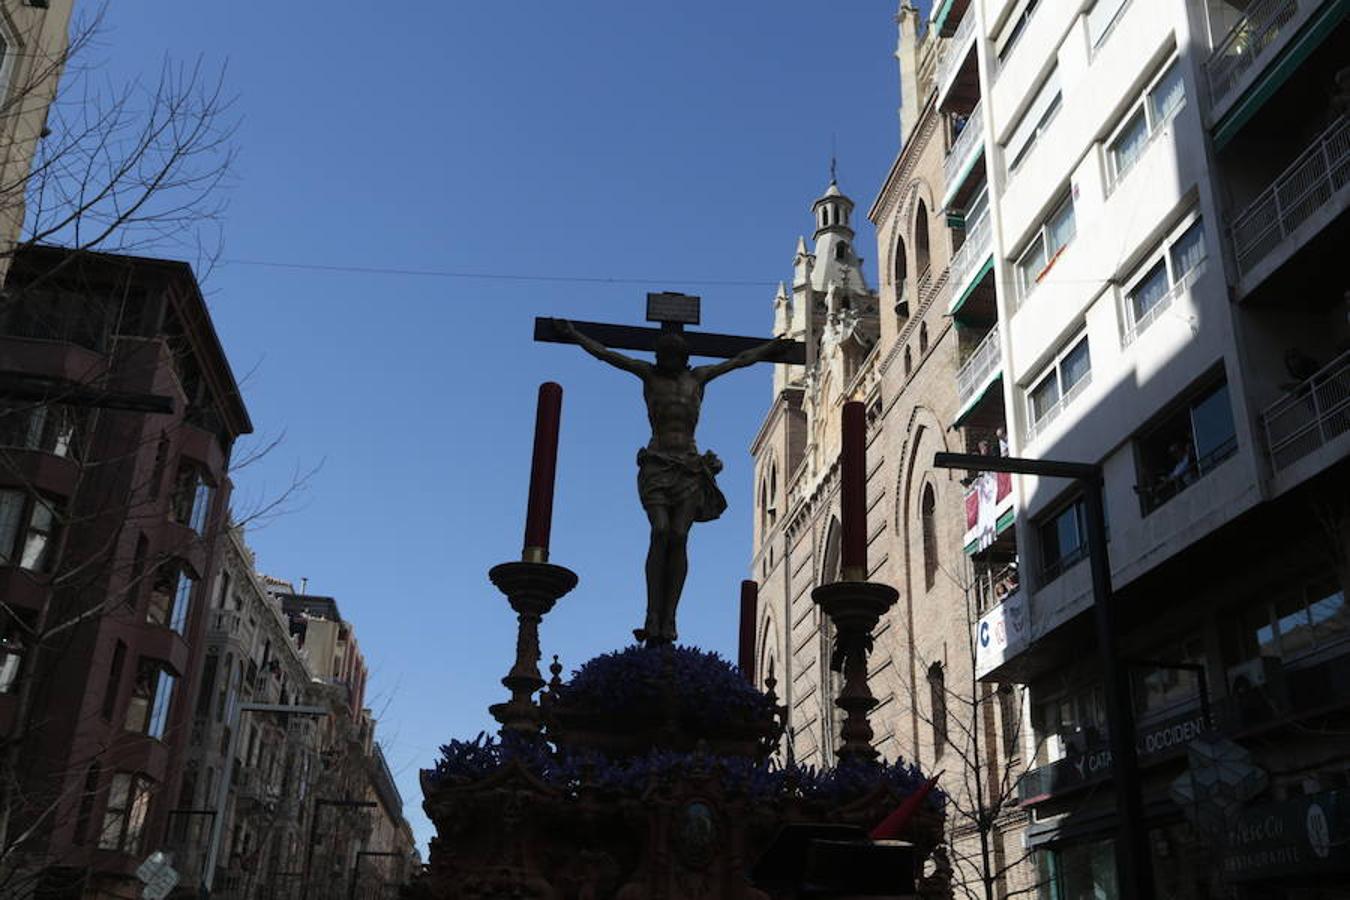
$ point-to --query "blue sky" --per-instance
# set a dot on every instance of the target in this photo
(674, 142)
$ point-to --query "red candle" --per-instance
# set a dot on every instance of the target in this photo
(543, 469)
(853, 492)
(749, 601)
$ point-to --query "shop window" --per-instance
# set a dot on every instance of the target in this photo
(1063, 540)
(1185, 447)
(1050, 239)
(1079, 870)
(1067, 376)
(124, 817)
(171, 599)
(148, 708)
(46, 427)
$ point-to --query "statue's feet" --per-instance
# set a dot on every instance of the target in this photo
(651, 639)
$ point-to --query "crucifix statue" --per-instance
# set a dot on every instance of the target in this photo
(676, 484)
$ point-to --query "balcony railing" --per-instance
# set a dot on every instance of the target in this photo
(971, 255)
(1311, 181)
(1245, 44)
(954, 50)
(971, 136)
(1313, 414)
(978, 366)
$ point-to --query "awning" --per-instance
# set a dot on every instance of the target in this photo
(975, 401)
(961, 298)
(1274, 77)
(941, 18)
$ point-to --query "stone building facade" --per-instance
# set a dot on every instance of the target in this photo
(931, 709)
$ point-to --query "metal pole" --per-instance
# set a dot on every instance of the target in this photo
(1134, 865)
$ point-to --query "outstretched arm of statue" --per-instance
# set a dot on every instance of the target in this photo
(742, 359)
(599, 350)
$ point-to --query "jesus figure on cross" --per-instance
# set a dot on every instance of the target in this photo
(676, 484)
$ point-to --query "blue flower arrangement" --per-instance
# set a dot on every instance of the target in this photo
(464, 762)
(630, 684)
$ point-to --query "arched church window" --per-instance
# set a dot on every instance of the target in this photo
(937, 698)
(841, 250)
(921, 238)
(831, 566)
(923, 338)
(909, 362)
(928, 525)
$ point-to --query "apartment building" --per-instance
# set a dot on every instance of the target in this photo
(34, 43)
(1160, 191)
(921, 372)
(115, 444)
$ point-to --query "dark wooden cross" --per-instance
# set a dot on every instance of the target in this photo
(673, 311)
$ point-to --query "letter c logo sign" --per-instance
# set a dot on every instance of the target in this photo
(984, 634)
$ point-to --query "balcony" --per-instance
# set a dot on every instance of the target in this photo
(1247, 42)
(963, 150)
(1313, 181)
(955, 52)
(979, 367)
(1311, 416)
(990, 510)
(970, 258)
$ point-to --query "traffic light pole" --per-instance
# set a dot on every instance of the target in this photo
(1134, 865)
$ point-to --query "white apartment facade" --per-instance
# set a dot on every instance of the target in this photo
(1153, 197)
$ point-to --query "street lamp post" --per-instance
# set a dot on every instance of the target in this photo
(356, 867)
(320, 803)
(1134, 865)
(227, 775)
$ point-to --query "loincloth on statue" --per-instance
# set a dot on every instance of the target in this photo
(672, 479)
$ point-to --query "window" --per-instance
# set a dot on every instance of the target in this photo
(1063, 540)
(1145, 120)
(1102, 18)
(192, 499)
(1037, 118)
(29, 529)
(1169, 270)
(1163, 689)
(45, 427)
(937, 697)
(1063, 381)
(1050, 239)
(11, 660)
(148, 709)
(928, 520)
(909, 362)
(921, 255)
(86, 808)
(1012, 32)
(1305, 621)
(124, 817)
(171, 598)
(1073, 722)
(1010, 720)
(923, 337)
(1185, 447)
(110, 691)
(899, 272)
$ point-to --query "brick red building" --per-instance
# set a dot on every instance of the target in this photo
(108, 519)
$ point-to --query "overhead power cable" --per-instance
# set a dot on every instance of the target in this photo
(495, 276)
